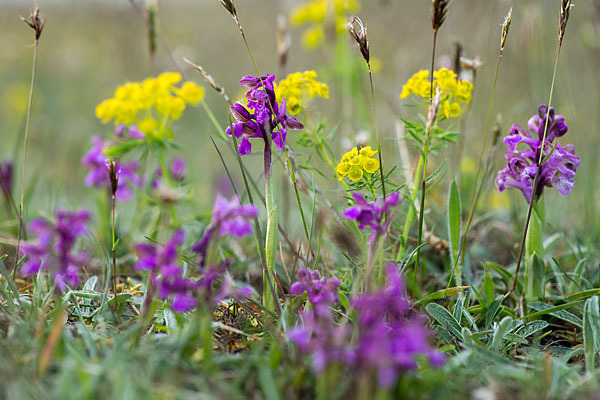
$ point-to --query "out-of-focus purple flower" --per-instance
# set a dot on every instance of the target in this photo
(390, 336)
(6, 177)
(98, 176)
(561, 162)
(267, 116)
(53, 250)
(321, 291)
(372, 214)
(167, 275)
(126, 132)
(170, 280)
(178, 169)
(229, 217)
(321, 338)
(177, 172)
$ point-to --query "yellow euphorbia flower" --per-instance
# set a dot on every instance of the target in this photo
(355, 163)
(140, 102)
(317, 13)
(298, 89)
(453, 91)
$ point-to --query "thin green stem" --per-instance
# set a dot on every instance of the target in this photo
(376, 132)
(25, 143)
(114, 256)
(424, 174)
(477, 186)
(537, 175)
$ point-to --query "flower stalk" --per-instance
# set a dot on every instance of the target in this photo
(35, 22)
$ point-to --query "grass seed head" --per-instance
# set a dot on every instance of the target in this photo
(565, 11)
(360, 36)
(505, 27)
(230, 7)
(439, 10)
(36, 21)
(113, 174)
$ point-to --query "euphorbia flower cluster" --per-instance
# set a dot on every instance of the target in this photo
(268, 117)
(390, 335)
(560, 163)
(53, 250)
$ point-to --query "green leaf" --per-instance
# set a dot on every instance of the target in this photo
(488, 286)
(506, 275)
(445, 319)
(591, 331)
(436, 174)
(583, 294)
(440, 294)
(531, 328)
(502, 329)
(555, 311)
(534, 278)
(493, 310)
(454, 223)
(90, 284)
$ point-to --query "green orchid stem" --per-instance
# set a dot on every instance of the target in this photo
(271, 234)
(410, 216)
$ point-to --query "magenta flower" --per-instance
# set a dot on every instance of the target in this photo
(53, 251)
(320, 290)
(560, 163)
(229, 217)
(372, 214)
(268, 116)
(98, 176)
(169, 277)
(390, 337)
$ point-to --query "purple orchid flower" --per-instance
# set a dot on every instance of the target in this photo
(560, 163)
(53, 250)
(267, 115)
(372, 214)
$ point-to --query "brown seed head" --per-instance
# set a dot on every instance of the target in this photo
(456, 59)
(565, 11)
(113, 175)
(230, 7)
(438, 15)
(209, 79)
(151, 16)
(505, 26)
(283, 40)
(360, 36)
(36, 21)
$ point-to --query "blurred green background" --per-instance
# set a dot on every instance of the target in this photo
(89, 48)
